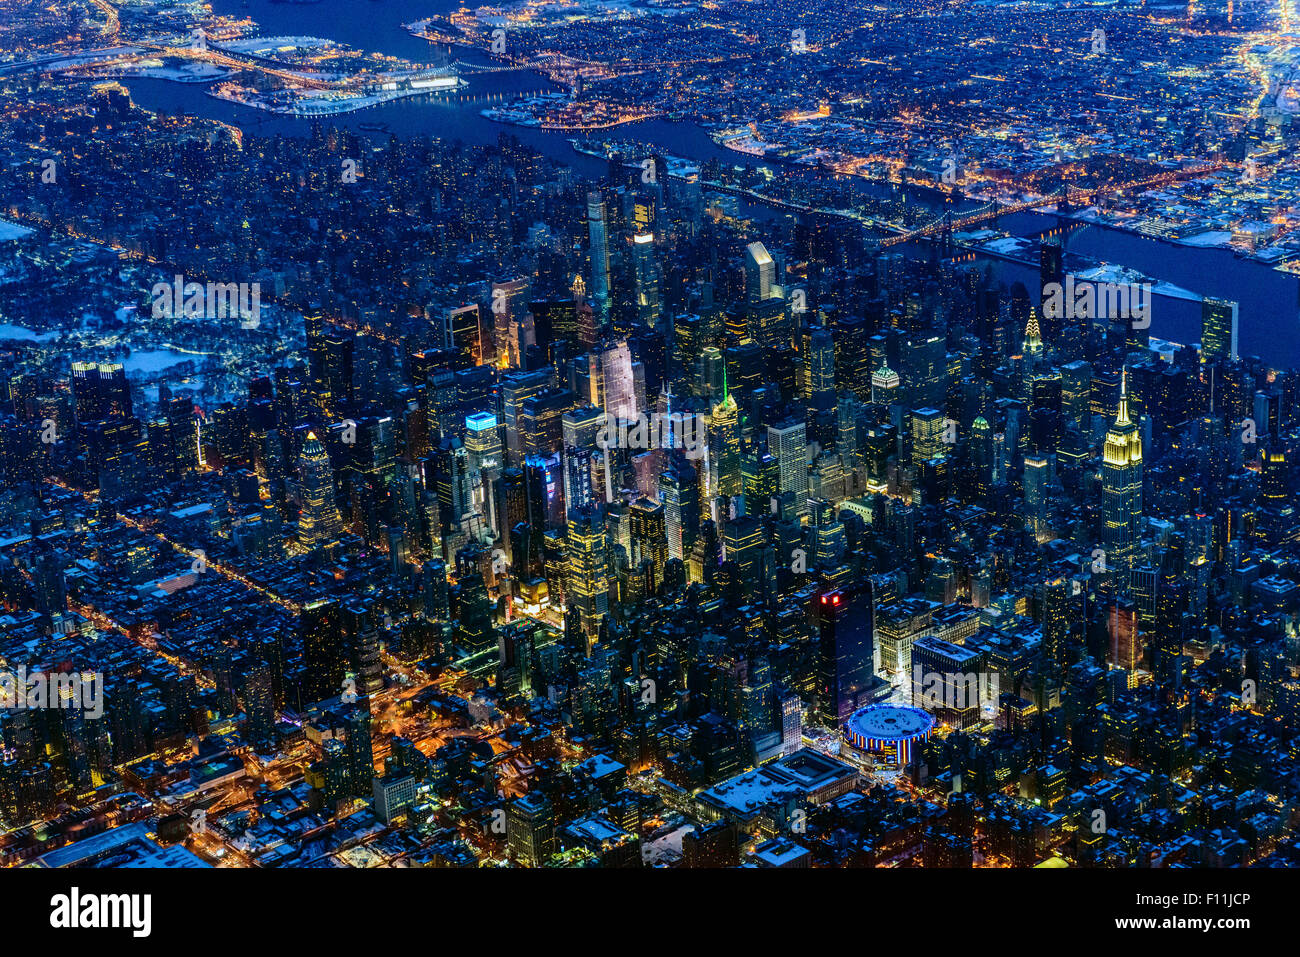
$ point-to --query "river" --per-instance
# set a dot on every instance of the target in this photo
(1269, 321)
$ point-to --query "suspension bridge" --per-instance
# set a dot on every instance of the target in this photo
(1073, 195)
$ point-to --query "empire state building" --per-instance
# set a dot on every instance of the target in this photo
(1121, 488)
(318, 520)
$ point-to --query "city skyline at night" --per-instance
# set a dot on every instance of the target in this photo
(650, 434)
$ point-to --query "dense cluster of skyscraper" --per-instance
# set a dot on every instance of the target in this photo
(618, 545)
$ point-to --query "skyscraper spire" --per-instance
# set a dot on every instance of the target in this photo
(318, 520)
(1121, 490)
(1033, 337)
(727, 401)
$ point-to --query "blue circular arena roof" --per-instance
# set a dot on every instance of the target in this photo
(888, 722)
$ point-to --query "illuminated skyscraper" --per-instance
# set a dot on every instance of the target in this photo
(1033, 344)
(1218, 329)
(323, 651)
(927, 429)
(465, 333)
(530, 830)
(845, 653)
(789, 445)
(1051, 270)
(1121, 489)
(649, 536)
(818, 363)
(587, 585)
(598, 249)
(508, 304)
(724, 446)
(1036, 481)
(646, 278)
(1076, 395)
(483, 441)
(760, 273)
(884, 386)
(680, 494)
(318, 520)
(612, 382)
(1056, 618)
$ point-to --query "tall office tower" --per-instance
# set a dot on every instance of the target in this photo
(649, 537)
(686, 343)
(1105, 391)
(845, 653)
(580, 426)
(1055, 621)
(711, 368)
(324, 654)
(452, 482)
(760, 273)
(511, 500)
(923, 370)
(613, 385)
(818, 364)
(183, 431)
(313, 322)
(948, 680)
(1121, 489)
(1046, 422)
(464, 333)
(85, 391)
(318, 520)
(643, 208)
(1037, 480)
(483, 442)
(543, 478)
(541, 421)
(1273, 491)
(853, 356)
(1218, 329)
(1123, 625)
(724, 447)
(981, 456)
(583, 464)
(114, 391)
(648, 348)
(508, 306)
(1051, 269)
(645, 276)
(530, 830)
(359, 749)
(117, 451)
(516, 389)
(927, 434)
(680, 494)
(848, 410)
(473, 630)
(553, 323)
(587, 581)
(742, 546)
(884, 386)
(258, 695)
(589, 324)
(339, 358)
(359, 629)
(788, 444)
(791, 711)
(598, 250)
(100, 391)
(1076, 395)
